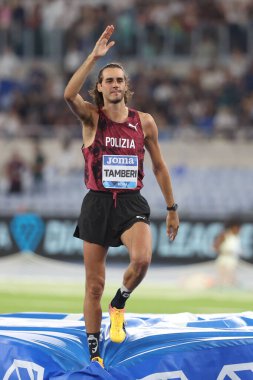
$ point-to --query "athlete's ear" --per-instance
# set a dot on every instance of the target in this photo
(99, 87)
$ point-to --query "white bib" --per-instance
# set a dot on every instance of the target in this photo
(120, 172)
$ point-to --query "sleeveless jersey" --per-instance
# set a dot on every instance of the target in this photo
(114, 161)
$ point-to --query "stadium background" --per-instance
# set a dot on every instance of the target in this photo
(190, 65)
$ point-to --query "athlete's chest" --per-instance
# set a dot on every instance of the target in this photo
(125, 136)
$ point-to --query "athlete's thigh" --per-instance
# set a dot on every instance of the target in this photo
(138, 240)
(94, 259)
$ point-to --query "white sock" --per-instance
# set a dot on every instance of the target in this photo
(125, 292)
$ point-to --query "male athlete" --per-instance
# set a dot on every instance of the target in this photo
(113, 211)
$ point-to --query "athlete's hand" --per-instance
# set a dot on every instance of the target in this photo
(102, 46)
(172, 224)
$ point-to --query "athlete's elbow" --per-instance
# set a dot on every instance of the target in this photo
(68, 95)
(157, 169)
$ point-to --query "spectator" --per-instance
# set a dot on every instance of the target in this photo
(10, 124)
(228, 248)
(15, 168)
(9, 63)
(52, 24)
(34, 21)
(37, 169)
(225, 123)
(18, 24)
(5, 16)
(180, 91)
(72, 60)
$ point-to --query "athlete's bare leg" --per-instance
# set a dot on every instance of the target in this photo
(94, 261)
(137, 240)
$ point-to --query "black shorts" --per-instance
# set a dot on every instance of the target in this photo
(102, 223)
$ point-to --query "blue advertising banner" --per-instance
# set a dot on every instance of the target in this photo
(37, 346)
(53, 238)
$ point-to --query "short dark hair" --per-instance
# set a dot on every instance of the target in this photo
(98, 96)
(232, 222)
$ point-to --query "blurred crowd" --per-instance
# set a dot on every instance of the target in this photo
(190, 62)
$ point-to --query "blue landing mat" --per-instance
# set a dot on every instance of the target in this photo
(43, 346)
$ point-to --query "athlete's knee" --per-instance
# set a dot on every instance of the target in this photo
(95, 288)
(141, 264)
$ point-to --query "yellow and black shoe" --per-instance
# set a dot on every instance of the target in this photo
(99, 360)
(117, 328)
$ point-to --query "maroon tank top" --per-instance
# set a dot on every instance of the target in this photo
(114, 161)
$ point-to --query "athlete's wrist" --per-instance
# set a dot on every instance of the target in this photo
(93, 57)
(173, 207)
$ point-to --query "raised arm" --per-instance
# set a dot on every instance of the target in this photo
(161, 172)
(78, 105)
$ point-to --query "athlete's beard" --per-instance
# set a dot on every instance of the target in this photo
(117, 100)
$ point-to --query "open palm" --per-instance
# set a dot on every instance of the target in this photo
(102, 46)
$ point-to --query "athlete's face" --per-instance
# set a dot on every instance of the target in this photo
(113, 85)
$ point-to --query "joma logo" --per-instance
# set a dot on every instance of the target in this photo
(120, 160)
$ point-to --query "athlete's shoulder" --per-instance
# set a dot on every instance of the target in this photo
(146, 118)
(148, 124)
